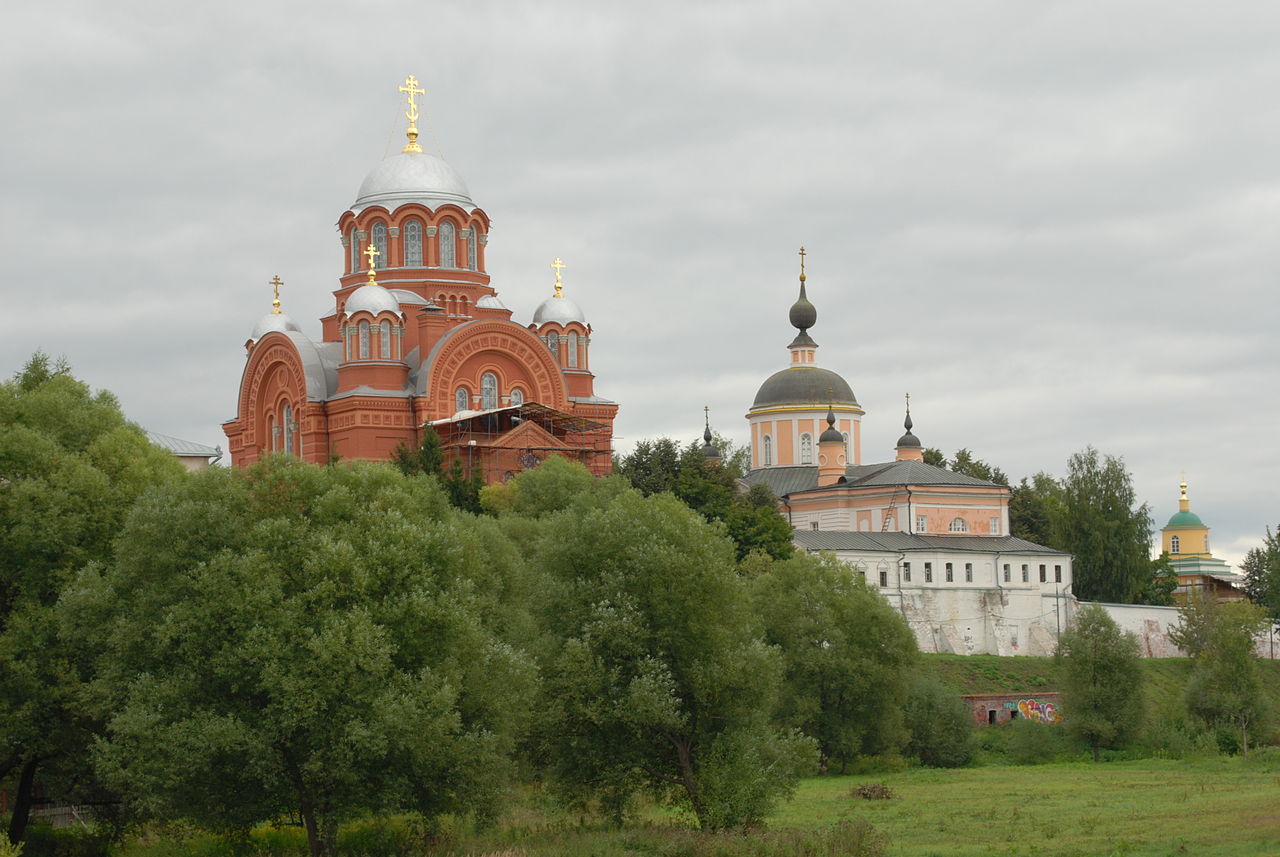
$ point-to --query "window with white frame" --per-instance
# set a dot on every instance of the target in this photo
(958, 525)
(968, 572)
(813, 525)
(1008, 575)
(806, 448)
(461, 399)
(1026, 573)
(922, 524)
(1174, 545)
(906, 572)
(928, 572)
(767, 451)
(517, 396)
(993, 526)
(488, 391)
(413, 244)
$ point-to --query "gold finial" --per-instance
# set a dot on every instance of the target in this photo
(802, 255)
(372, 253)
(276, 282)
(411, 89)
(558, 266)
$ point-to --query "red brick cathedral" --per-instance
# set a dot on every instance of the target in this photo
(419, 337)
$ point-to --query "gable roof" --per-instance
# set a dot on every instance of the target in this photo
(790, 480)
(896, 542)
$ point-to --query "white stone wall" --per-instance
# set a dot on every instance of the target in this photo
(1151, 625)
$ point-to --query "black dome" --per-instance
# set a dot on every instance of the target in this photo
(804, 385)
(909, 440)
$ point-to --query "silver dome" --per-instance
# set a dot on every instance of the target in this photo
(413, 177)
(273, 322)
(490, 302)
(560, 310)
(373, 299)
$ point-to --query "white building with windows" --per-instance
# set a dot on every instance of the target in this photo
(936, 543)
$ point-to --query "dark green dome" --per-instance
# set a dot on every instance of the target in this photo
(804, 385)
(1185, 519)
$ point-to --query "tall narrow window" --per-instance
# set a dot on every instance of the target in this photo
(364, 340)
(1042, 575)
(286, 421)
(448, 245)
(806, 448)
(488, 391)
(355, 251)
(1026, 575)
(968, 572)
(950, 574)
(906, 572)
(461, 399)
(846, 448)
(472, 241)
(1057, 574)
(1173, 545)
(993, 526)
(928, 572)
(385, 353)
(767, 443)
(573, 350)
(553, 344)
(1007, 573)
(517, 397)
(922, 524)
(413, 244)
(380, 241)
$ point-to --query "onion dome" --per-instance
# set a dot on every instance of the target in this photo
(274, 322)
(1184, 517)
(558, 308)
(908, 439)
(832, 434)
(373, 299)
(804, 385)
(709, 450)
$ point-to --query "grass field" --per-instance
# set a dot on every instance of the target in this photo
(1221, 806)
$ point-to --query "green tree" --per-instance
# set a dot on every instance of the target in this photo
(1158, 588)
(964, 463)
(652, 466)
(933, 455)
(1101, 524)
(1226, 683)
(848, 656)
(70, 468)
(1101, 680)
(1261, 569)
(1034, 508)
(655, 677)
(463, 488)
(940, 724)
(321, 641)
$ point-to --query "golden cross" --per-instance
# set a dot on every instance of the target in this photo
(558, 266)
(411, 89)
(275, 303)
(802, 255)
(372, 253)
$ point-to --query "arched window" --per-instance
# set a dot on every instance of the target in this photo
(461, 399)
(573, 349)
(846, 447)
(380, 242)
(488, 391)
(273, 434)
(364, 340)
(473, 239)
(958, 526)
(448, 245)
(767, 457)
(553, 343)
(355, 251)
(288, 429)
(1174, 545)
(385, 352)
(413, 243)
(806, 448)
(517, 397)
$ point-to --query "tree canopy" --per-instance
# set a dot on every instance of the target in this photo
(1261, 569)
(71, 466)
(1101, 680)
(312, 640)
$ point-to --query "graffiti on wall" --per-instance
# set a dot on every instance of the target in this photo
(1034, 709)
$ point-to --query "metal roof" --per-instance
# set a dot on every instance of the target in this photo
(905, 542)
(186, 448)
(793, 479)
(534, 411)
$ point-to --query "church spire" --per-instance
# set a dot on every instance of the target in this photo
(709, 450)
(909, 445)
(410, 88)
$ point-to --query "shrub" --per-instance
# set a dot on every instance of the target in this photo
(44, 841)
(1032, 743)
(872, 791)
(940, 724)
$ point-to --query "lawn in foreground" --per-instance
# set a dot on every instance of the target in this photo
(1222, 807)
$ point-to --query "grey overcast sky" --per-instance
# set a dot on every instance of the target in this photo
(1053, 223)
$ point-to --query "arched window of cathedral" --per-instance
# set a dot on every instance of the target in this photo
(464, 306)
(355, 252)
(958, 526)
(488, 391)
(461, 399)
(767, 455)
(273, 434)
(517, 397)
(287, 421)
(413, 244)
(448, 245)
(364, 340)
(846, 447)
(553, 343)
(472, 241)
(806, 448)
(1174, 545)
(573, 350)
(379, 234)
(385, 352)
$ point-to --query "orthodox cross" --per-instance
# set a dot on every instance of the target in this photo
(909, 404)
(558, 266)
(706, 414)
(411, 89)
(275, 303)
(372, 253)
(802, 255)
